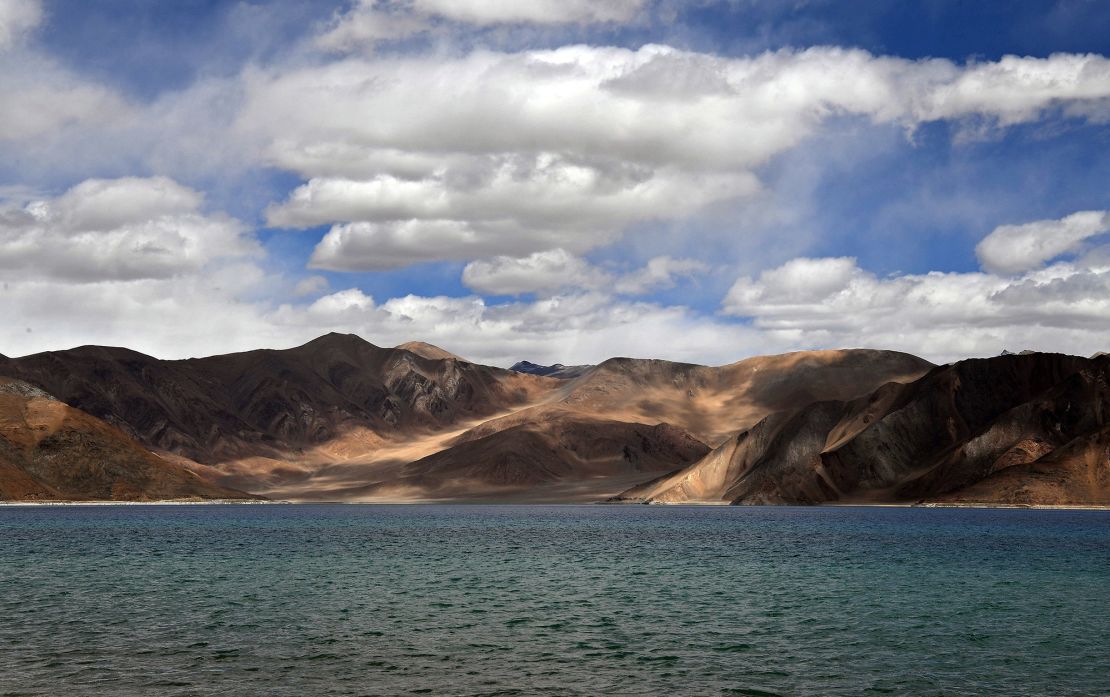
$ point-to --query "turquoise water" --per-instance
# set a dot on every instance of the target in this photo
(504, 600)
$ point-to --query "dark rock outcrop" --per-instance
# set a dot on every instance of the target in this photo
(556, 370)
(995, 430)
(270, 402)
(50, 451)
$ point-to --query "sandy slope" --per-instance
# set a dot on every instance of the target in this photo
(1008, 430)
(339, 418)
(51, 451)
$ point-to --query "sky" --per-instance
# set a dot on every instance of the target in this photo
(556, 180)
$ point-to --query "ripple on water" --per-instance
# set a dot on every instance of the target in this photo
(554, 600)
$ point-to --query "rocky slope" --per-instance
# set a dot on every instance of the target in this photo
(272, 403)
(713, 403)
(1016, 429)
(558, 458)
(340, 418)
(50, 451)
(557, 370)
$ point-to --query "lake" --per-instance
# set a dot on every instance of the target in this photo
(554, 600)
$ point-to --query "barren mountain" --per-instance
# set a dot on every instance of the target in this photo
(1014, 429)
(557, 370)
(339, 418)
(273, 403)
(713, 403)
(562, 458)
(426, 350)
(50, 451)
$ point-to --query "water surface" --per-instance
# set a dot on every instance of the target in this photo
(559, 600)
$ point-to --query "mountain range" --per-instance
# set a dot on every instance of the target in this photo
(342, 419)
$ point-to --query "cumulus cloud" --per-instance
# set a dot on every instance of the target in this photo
(833, 302)
(17, 17)
(531, 11)
(219, 310)
(515, 206)
(658, 273)
(539, 272)
(805, 303)
(118, 229)
(312, 285)
(367, 23)
(1017, 248)
(1017, 89)
(557, 270)
(371, 21)
(39, 98)
(516, 153)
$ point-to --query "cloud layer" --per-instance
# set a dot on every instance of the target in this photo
(121, 229)
(571, 183)
(1017, 248)
(371, 21)
(17, 17)
(1064, 306)
(516, 153)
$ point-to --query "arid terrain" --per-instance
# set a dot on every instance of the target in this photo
(341, 419)
(50, 451)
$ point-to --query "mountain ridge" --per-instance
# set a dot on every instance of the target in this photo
(947, 432)
(340, 418)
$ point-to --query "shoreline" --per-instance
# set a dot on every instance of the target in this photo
(162, 502)
(441, 502)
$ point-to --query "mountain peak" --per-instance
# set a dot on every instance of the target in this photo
(336, 339)
(429, 351)
(555, 370)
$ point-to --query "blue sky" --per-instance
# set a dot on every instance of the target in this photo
(556, 181)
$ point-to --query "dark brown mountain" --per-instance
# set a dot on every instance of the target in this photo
(561, 458)
(556, 370)
(272, 403)
(50, 451)
(341, 418)
(715, 402)
(1016, 429)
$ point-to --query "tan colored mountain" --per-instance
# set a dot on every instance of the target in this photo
(426, 350)
(339, 418)
(1017, 429)
(50, 451)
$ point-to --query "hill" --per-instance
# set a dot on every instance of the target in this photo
(50, 451)
(1015, 429)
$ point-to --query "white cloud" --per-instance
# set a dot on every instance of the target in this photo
(944, 316)
(1017, 89)
(128, 228)
(38, 98)
(371, 21)
(547, 271)
(1016, 248)
(806, 303)
(660, 272)
(516, 153)
(343, 304)
(557, 270)
(511, 206)
(367, 23)
(17, 17)
(215, 311)
(311, 285)
(484, 12)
